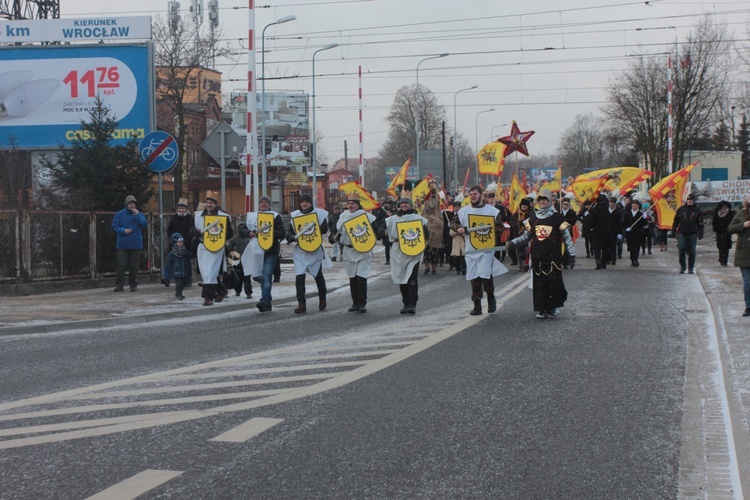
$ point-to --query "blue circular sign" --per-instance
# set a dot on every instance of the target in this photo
(158, 151)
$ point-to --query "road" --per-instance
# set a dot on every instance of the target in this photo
(607, 400)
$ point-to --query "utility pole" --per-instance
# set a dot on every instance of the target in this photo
(29, 9)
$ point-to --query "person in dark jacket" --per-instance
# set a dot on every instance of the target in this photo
(688, 226)
(740, 226)
(598, 224)
(178, 266)
(634, 223)
(615, 229)
(238, 244)
(128, 223)
(182, 222)
(333, 219)
(571, 217)
(518, 252)
(722, 217)
(586, 228)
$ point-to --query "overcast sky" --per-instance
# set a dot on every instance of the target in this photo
(537, 62)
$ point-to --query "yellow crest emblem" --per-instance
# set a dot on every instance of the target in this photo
(307, 229)
(214, 232)
(361, 233)
(482, 231)
(411, 239)
(265, 230)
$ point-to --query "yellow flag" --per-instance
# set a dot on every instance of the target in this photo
(667, 195)
(365, 198)
(623, 178)
(555, 184)
(491, 159)
(421, 189)
(588, 189)
(399, 179)
(517, 193)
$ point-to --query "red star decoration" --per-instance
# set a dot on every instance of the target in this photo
(516, 141)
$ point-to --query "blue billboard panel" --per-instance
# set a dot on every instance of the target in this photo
(46, 92)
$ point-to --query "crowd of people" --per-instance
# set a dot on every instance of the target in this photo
(471, 237)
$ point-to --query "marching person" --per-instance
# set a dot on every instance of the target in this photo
(408, 231)
(358, 237)
(740, 226)
(615, 230)
(517, 220)
(236, 247)
(723, 215)
(266, 230)
(571, 218)
(458, 244)
(586, 227)
(688, 226)
(212, 228)
(431, 211)
(634, 222)
(547, 229)
(307, 227)
(597, 221)
(480, 223)
(182, 222)
(127, 223)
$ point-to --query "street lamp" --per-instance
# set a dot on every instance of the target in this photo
(476, 138)
(416, 120)
(492, 132)
(314, 152)
(283, 20)
(455, 131)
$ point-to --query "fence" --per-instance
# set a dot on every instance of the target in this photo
(38, 245)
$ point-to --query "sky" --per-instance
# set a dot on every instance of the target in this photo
(539, 62)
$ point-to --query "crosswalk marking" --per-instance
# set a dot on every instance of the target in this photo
(343, 360)
(136, 485)
(249, 429)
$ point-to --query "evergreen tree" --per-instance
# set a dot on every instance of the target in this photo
(93, 174)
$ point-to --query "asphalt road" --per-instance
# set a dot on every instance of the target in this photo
(378, 405)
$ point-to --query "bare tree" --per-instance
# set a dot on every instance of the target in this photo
(181, 52)
(401, 142)
(700, 77)
(582, 145)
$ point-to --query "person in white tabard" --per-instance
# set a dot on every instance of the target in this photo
(357, 235)
(409, 233)
(213, 228)
(307, 227)
(480, 223)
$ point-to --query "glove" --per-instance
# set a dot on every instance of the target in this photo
(627, 230)
(330, 239)
(585, 214)
(571, 261)
(619, 237)
(165, 282)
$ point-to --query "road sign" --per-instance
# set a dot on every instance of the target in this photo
(158, 151)
(233, 146)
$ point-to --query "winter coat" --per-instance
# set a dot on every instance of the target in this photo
(742, 250)
(688, 220)
(182, 225)
(126, 219)
(178, 260)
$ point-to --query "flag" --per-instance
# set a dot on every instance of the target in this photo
(421, 189)
(491, 159)
(667, 196)
(623, 178)
(399, 179)
(365, 198)
(588, 189)
(517, 193)
(555, 184)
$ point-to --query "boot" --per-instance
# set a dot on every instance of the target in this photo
(413, 292)
(477, 308)
(434, 268)
(209, 291)
(355, 295)
(404, 298)
(299, 285)
(362, 289)
(300, 309)
(491, 302)
(320, 281)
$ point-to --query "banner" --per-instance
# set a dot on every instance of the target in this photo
(668, 194)
(716, 191)
(399, 179)
(365, 198)
(491, 160)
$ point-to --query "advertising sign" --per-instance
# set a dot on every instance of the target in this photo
(716, 191)
(76, 30)
(46, 92)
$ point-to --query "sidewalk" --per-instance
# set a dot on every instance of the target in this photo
(101, 307)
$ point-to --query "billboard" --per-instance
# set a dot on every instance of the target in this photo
(716, 191)
(90, 30)
(46, 92)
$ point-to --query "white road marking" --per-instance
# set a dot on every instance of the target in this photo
(249, 429)
(367, 351)
(136, 485)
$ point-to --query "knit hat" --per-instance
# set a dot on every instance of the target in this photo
(691, 196)
(524, 203)
(264, 198)
(130, 198)
(305, 197)
(406, 200)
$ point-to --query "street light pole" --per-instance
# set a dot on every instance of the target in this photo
(476, 139)
(455, 131)
(314, 152)
(492, 132)
(416, 119)
(262, 155)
